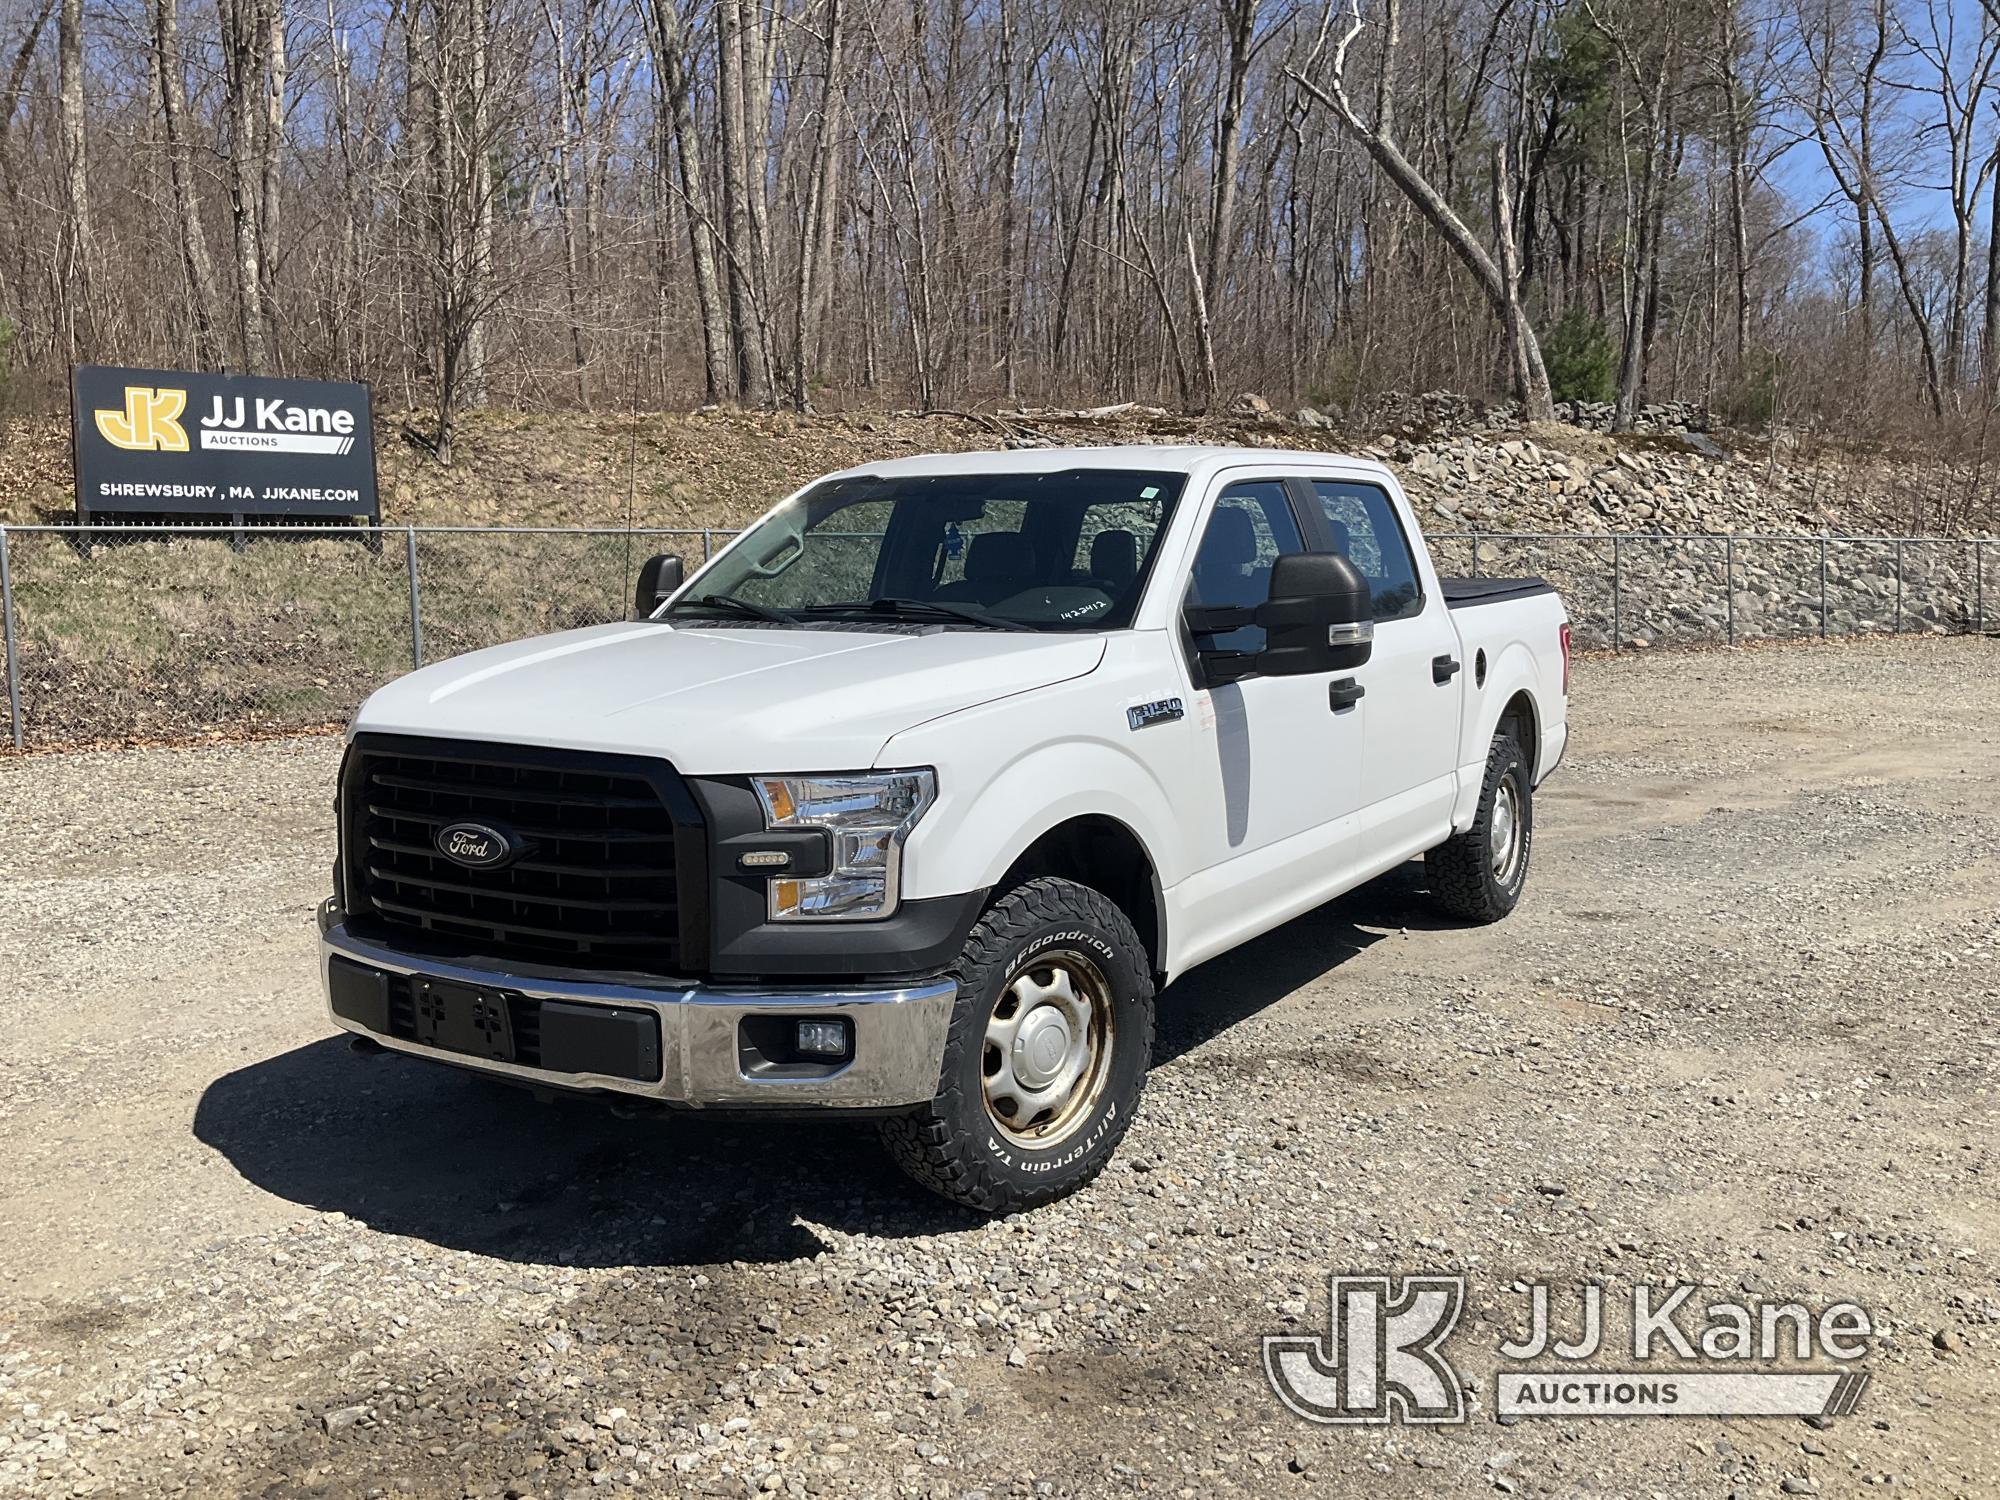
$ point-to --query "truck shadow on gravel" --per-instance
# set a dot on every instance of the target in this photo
(465, 1163)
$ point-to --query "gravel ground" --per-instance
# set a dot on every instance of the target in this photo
(1742, 1032)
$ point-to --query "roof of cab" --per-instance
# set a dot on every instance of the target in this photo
(1178, 458)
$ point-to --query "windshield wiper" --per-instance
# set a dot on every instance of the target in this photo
(750, 607)
(920, 608)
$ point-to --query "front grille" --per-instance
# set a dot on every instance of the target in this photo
(608, 841)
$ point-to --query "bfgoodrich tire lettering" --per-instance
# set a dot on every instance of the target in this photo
(1479, 874)
(1046, 1056)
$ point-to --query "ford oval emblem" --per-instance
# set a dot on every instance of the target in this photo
(477, 846)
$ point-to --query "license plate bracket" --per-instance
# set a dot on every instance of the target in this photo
(463, 1018)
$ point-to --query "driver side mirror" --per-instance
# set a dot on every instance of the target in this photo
(658, 577)
(1319, 617)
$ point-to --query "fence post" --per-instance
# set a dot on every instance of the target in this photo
(1822, 585)
(1899, 586)
(416, 601)
(1475, 554)
(7, 640)
(707, 544)
(1729, 583)
(1978, 587)
(1616, 551)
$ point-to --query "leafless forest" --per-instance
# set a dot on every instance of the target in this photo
(1781, 207)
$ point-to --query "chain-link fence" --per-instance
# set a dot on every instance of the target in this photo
(119, 633)
(133, 632)
(1645, 589)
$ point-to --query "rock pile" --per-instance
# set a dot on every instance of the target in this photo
(1517, 484)
(1442, 413)
(1660, 535)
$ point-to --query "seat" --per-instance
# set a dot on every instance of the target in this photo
(998, 564)
(1114, 558)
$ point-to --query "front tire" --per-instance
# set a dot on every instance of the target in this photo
(1046, 1057)
(1479, 874)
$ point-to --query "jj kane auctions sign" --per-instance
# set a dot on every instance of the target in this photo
(169, 441)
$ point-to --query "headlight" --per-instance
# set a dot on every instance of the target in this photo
(868, 814)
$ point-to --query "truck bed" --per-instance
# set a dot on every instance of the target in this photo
(1463, 593)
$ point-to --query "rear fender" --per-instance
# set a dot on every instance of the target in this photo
(1514, 669)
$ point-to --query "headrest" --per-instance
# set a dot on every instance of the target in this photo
(1114, 556)
(999, 556)
(1231, 539)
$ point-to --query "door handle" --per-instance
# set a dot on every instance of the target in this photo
(1344, 694)
(1444, 668)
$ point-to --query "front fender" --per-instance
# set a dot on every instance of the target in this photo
(994, 802)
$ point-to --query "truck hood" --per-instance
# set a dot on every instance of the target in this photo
(718, 700)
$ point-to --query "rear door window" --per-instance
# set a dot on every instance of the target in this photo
(1365, 528)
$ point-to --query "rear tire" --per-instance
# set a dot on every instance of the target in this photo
(1046, 1057)
(1479, 874)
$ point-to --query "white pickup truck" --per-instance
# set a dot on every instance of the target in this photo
(909, 801)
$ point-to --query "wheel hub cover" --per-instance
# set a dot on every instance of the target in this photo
(1041, 1046)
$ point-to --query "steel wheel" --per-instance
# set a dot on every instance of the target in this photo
(1503, 836)
(1047, 1046)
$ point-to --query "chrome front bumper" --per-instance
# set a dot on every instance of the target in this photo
(898, 1049)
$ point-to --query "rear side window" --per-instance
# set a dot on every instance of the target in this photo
(1366, 528)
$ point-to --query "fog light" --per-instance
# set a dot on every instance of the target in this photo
(822, 1038)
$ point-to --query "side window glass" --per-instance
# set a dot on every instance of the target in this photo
(1249, 529)
(837, 563)
(1365, 527)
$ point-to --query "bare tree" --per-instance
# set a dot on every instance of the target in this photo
(17, 241)
(79, 239)
(738, 45)
(1498, 275)
(666, 40)
(251, 40)
(1239, 25)
(1961, 74)
(187, 202)
(539, 201)
(1845, 125)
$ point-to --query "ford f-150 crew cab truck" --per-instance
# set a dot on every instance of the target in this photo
(909, 800)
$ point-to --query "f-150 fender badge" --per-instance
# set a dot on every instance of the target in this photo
(1160, 711)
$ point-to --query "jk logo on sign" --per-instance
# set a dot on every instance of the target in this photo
(1380, 1361)
(151, 419)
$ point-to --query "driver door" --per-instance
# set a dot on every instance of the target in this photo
(1281, 764)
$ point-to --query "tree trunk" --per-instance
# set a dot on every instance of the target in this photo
(187, 202)
(752, 353)
(78, 239)
(270, 168)
(1239, 19)
(1008, 186)
(16, 88)
(474, 377)
(1500, 282)
(243, 66)
(670, 61)
(1989, 341)
(1524, 350)
(1204, 337)
(816, 246)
